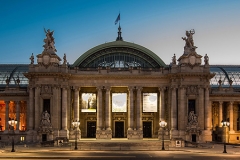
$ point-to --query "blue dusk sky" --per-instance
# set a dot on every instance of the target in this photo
(158, 25)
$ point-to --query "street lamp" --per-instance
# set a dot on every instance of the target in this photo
(163, 124)
(225, 124)
(76, 124)
(12, 123)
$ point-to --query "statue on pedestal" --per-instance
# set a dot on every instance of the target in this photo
(45, 126)
(189, 45)
(206, 59)
(49, 41)
(32, 59)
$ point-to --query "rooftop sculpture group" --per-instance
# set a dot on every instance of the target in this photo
(189, 45)
(49, 41)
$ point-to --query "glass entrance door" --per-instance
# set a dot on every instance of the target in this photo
(147, 129)
(91, 129)
(119, 129)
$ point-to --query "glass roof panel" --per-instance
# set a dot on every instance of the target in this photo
(13, 72)
(225, 73)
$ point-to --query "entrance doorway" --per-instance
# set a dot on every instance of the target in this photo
(44, 137)
(119, 129)
(91, 129)
(194, 138)
(147, 129)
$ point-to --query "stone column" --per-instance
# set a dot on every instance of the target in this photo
(64, 108)
(108, 111)
(99, 108)
(37, 108)
(56, 109)
(173, 110)
(231, 115)
(76, 104)
(200, 108)
(161, 104)
(207, 111)
(31, 109)
(17, 115)
(139, 108)
(6, 116)
(220, 117)
(182, 113)
(209, 124)
(130, 109)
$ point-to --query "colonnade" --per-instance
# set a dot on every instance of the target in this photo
(106, 121)
(220, 117)
(16, 117)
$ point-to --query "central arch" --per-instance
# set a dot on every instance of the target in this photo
(119, 54)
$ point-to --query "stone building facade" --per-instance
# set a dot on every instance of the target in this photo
(119, 90)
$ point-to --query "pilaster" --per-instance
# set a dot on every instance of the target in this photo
(108, 112)
(31, 109)
(200, 107)
(130, 113)
(64, 130)
(99, 108)
(76, 103)
(37, 107)
(220, 118)
(17, 116)
(161, 104)
(6, 117)
(231, 116)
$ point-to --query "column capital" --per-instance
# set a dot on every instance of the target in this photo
(162, 88)
(7, 102)
(107, 88)
(65, 87)
(139, 88)
(17, 102)
(173, 88)
(220, 102)
(131, 88)
(76, 88)
(231, 102)
(182, 87)
(38, 86)
(99, 88)
(207, 87)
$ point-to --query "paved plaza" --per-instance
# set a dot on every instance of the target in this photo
(115, 151)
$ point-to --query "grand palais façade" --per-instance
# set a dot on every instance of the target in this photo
(120, 90)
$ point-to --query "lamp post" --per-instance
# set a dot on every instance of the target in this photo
(12, 123)
(225, 124)
(163, 124)
(76, 124)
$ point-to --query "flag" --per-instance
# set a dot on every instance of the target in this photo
(118, 19)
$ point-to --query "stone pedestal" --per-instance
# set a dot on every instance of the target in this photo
(29, 137)
(64, 133)
(103, 134)
(72, 134)
(134, 134)
(206, 135)
(174, 134)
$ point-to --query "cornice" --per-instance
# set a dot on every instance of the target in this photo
(38, 74)
(118, 76)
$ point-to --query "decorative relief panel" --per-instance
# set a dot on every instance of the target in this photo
(46, 89)
(192, 90)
